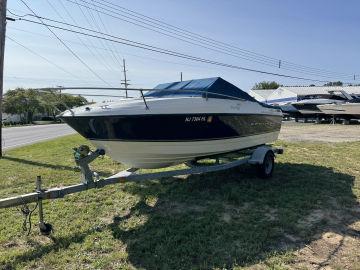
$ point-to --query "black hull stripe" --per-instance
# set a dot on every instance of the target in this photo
(197, 140)
(185, 127)
(65, 118)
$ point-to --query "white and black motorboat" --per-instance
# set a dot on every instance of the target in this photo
(177, 122)
(347, 110)
(308, 106)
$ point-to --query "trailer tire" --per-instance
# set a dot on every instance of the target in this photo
(265, 170)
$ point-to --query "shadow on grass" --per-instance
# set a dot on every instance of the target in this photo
(39, 164)
(227, 218)
(51, 166)
(231, 218)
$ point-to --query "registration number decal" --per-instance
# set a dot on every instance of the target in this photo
(207, 119)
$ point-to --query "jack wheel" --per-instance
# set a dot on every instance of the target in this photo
(46, 229)
(265, 170)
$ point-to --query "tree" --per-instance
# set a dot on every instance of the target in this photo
(53, 103)
(266, 85)
(338, 83)
(27, 102)
(22, 102)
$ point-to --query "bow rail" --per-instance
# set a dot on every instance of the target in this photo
(205, 94)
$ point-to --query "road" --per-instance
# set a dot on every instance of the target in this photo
(20, 136)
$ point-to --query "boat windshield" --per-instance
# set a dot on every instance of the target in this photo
(210, 87)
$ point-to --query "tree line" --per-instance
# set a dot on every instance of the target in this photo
(264, 85)
(28, 102)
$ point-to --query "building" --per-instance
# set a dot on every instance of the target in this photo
(286, 94)
(10, 118)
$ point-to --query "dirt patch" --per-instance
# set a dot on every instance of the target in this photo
(331, 251)
(292, 131)
(271, 214)
(226, 217)
(336, 248)
(170, 207)
(315, 217)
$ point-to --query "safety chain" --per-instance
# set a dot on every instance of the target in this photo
(27, 212)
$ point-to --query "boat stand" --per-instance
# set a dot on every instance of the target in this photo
(262, 156)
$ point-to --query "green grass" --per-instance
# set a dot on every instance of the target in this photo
(229, 219)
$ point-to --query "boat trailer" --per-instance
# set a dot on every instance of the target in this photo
(262, 157)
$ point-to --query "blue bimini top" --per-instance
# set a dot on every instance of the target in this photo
(212, 87)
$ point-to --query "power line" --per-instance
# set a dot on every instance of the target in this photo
(102, 48)
(296, 69)
(169, 35)
(104, 44)
(117, 57)
(163, 51)
(46, 79)
(159, 22)
(64, 44)
(42, 57)
(99, 59)
(219, 46)
(162, 23)
(162, 28)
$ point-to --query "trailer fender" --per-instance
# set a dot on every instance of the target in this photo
(258, 155)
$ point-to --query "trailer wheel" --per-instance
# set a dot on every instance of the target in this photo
(265, 170)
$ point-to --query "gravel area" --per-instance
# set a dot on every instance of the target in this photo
(292, 131)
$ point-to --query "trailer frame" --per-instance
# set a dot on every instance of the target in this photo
(257, 156)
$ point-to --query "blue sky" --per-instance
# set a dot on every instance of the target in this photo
(321, 34)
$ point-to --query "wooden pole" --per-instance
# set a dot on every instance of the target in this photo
(2, 51)
(125, 79)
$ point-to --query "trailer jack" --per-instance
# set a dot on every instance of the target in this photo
(83, 157)
(45, 228)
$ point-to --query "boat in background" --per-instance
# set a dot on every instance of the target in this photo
(290, 111)
(177, 122)
(347, 110)
(307, 106)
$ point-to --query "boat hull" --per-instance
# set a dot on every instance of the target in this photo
(154, 141)
(180, 127)
(158, 154)
(173, 130)
(347, 110)
(307, 109)
(290, 110)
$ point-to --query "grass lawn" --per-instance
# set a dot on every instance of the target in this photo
(306, 217)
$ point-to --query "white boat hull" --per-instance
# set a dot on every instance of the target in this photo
(310, 106)
(162, 154)
(351, 109)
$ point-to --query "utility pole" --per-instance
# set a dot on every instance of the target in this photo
(2, 51)
(125, 81)
(181, 76)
